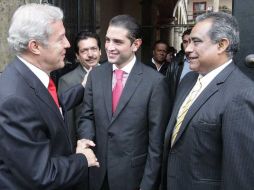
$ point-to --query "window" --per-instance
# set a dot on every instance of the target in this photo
(198, 8)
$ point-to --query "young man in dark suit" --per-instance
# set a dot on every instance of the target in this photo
(125, 115)
(209, 139)
(36, 151)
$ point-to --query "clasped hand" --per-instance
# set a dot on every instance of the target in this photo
(84, 147)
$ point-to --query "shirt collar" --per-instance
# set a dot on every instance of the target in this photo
(127, 68)
(87, 70)
(212, 74)
(43, 76)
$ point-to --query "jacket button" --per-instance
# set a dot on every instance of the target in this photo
(110, 135)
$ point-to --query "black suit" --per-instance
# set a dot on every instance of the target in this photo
(214, 147)
(36, 151)
(129, 142)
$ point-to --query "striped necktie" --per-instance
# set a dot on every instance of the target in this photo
(185, 107)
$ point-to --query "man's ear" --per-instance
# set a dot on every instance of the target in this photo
(137, 43)
(77, 57)
(223, 45)
(33, 47)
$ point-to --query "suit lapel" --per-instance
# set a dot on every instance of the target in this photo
(81, 72)
(39, 89)
(182, 93)
(209, 91)
(107, 90)
(132, 82)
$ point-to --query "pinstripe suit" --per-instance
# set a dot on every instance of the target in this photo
(214, 148)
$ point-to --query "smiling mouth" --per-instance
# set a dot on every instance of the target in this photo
(192, 58)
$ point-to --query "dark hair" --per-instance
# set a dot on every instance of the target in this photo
(129, 23)
(186, 32)
(160, 42)
(83, 35)
(171, 49)
(224, 25)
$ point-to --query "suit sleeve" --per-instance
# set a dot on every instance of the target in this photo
(26, 149)
(86, 128)
(63, 85)
(72, 97)
(158, 115)
(238, 143)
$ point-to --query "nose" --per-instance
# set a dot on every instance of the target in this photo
(189, 48)
(109, 46)
(66, 43)
(89, 52)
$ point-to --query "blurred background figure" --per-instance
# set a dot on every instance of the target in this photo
(159, 62)
(171, 54)
(179, 66)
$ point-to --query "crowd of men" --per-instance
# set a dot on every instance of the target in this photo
(186, 124)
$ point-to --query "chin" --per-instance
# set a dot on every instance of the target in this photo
(61, 65)
(111, 61)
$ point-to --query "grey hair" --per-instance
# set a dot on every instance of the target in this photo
(32, 21)
(224, 25)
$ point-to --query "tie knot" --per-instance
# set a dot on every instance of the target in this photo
(119, 74)
(51, 85)
(200, 79)
(52, 91)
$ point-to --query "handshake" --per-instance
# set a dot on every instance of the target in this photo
(83, 147)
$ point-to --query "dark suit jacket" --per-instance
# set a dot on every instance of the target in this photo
(128, 143)
(163, 68)
(66, 82)
(214, 147)
(35, 146)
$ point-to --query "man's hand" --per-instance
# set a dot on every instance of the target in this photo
(86, 143)
(83, 148)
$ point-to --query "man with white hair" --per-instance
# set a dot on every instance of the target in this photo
(35, 144)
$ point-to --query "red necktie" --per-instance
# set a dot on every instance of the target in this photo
(52, 91)
(117, 91)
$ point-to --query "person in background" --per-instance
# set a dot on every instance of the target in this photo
(125, 111)
(171, 54)
(209, 139)
(87, 47)
(160, 51)
(35, 145)
(179, 66)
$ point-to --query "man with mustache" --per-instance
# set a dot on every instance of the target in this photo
(87, 47)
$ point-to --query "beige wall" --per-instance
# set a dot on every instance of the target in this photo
(7, 7)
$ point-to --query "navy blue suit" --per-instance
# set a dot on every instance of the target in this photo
(36, 151)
